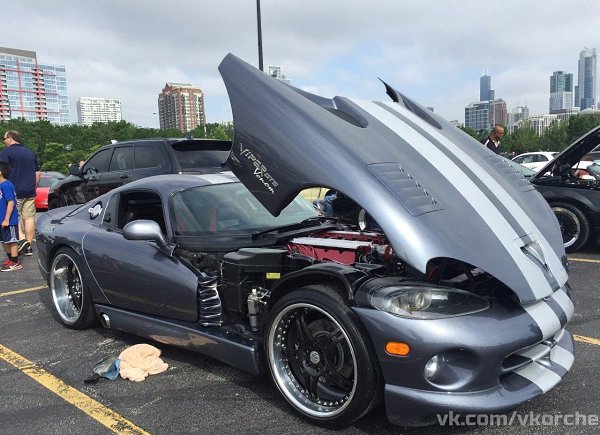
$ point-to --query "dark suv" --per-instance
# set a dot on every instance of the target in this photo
(122, 162)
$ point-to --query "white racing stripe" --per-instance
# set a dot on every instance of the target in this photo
(535, 278)
(503, 196)
(545, 318)
(565, 303)
(562, 357)
(216, 179)
(541, 376)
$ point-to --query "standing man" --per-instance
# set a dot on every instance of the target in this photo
(25, 176)
(493, 140)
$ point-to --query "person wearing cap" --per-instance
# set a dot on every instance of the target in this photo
(25, 175)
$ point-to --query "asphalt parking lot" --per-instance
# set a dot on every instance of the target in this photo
(43, 365)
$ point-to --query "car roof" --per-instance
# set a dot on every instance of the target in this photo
(169, 183)
(538, 152)
(208, 142)
(54, 174)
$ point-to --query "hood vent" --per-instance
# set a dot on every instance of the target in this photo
(405, 188)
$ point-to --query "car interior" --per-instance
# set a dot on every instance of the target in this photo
(138, 206)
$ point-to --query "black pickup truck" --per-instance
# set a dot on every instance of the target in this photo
(122, 162)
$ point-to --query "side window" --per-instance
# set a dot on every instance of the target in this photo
(122, 159)
(140, 205)
(98, 162)
(146, 156)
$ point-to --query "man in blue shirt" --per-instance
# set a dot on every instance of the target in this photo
(25, 176)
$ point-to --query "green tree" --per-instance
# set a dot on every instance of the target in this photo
(554, 137)
(579, 125)
(56, 158)
(522, 140)
(471, 132)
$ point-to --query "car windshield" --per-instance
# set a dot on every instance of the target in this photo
(231, 208)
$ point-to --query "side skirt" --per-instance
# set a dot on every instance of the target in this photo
(240, 352)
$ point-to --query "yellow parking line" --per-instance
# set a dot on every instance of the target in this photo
(25, 290)
(587, 340)
(94, 409)
(585, 260)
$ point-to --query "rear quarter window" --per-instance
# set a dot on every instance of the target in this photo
(191, 155)
(146, 156)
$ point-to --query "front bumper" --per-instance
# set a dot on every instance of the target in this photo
(426, 407)
(493, 360)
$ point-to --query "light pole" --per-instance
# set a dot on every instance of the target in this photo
(258, 24)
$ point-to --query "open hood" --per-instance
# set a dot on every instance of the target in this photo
(564, 162)
(435, 191)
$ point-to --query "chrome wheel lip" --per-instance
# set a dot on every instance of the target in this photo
(59, 287)
(563, 213)
(287, 383)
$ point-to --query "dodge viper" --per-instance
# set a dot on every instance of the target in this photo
(458, 302)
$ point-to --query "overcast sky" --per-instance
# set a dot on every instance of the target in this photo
(431, 50)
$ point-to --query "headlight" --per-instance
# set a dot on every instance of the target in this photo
(432, 367)
(426, 302)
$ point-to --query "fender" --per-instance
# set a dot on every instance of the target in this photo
(345, 277)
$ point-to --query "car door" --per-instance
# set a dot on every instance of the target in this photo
(119, 170)
(136, 275)
(150, 159)
(92, 171)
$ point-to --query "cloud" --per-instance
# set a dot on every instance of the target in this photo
(431, 50)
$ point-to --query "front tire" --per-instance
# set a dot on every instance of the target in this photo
(574, 226)
(320, 357)
(70, 291)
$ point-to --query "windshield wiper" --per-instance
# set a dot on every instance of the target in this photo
(304, 223)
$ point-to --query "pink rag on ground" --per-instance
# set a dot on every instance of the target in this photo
(139, 361)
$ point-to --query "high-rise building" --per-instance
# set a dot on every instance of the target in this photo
(486, 93)
(586, 79)
(275, 72)
(30, 90)
(517, 114)
(92, 109)
(540, 123)
(498, 112)
(477, 116)
(181, 106)
(561, 91)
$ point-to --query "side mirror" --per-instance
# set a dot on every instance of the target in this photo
(74, 169)
(144, 230)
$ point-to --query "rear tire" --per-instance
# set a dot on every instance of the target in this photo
(320, 358)
(71, 296)
(574, 225)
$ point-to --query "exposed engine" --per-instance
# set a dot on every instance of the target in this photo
(234, 287)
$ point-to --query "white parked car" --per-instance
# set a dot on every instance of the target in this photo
(534, 160)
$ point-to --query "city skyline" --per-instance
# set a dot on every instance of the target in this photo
(428, 50)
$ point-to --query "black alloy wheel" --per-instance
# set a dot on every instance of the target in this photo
(574, 226)
(320, 358)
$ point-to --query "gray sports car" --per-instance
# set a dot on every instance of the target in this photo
(459, 303)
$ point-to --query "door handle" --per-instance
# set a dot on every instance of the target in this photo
(124, 176)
